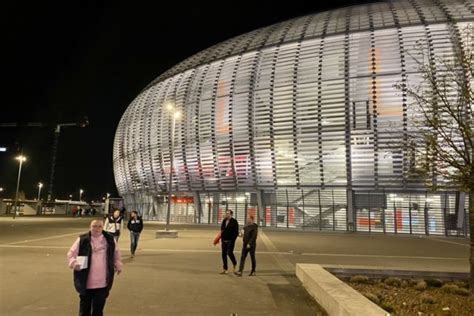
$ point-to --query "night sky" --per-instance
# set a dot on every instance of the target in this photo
(68, 59)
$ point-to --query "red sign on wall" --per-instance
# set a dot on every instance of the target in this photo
(219, 215)
(291, 216)
(268, 216)
(182, 199)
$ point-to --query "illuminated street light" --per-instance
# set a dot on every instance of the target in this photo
(108, 195)
(40, 185)
(80, 194)
(175, 114)
(70, 196)
(20, 159)
(38, 206)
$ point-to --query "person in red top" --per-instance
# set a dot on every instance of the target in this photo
(95, 257)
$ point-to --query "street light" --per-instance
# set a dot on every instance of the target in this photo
(80, 194)
(21, 159)
(175, 114)
(38, 206)
(108, 195)
(70, 196)
(40, 185)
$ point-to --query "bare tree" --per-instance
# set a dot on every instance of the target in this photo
(439, 140)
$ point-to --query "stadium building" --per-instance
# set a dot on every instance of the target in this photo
(295, 123)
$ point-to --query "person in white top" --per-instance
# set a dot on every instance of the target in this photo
(114, 224)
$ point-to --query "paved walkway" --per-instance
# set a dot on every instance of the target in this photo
(180, 277)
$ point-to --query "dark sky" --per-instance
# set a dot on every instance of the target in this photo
(68, 59)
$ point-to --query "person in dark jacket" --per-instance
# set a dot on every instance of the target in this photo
(95, 257)
(249, 245)
(229, 233)
(135, 226)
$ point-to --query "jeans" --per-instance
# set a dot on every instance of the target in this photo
(245, 251)
(134, 236)
(93, 299)
(228, 250)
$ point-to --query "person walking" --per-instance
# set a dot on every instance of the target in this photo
(135, 226)
(114, 224)
(95, 257)
(229, 233)
(249, 245)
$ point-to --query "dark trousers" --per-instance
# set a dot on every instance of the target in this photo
(228, 250)
(134, 236)
(245, 251)
(92, 302)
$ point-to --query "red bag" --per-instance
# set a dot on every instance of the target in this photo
(217, 239)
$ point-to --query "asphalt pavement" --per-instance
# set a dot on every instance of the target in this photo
(181, 276)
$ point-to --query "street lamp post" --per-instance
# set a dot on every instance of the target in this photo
(38, 210)
(80, 194)
(174, 115)
(21, 159)
(40, 185)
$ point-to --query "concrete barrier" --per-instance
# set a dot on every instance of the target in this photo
(335, 296)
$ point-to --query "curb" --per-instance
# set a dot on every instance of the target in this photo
(333, 295)
(379, 272)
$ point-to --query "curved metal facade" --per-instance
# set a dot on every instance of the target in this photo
(306, 103)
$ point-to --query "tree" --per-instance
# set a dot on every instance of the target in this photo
(439, 138)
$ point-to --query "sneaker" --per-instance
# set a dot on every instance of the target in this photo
(238, 273)
(224, 272)
(235, 266)
(132, 256)
(252, 273)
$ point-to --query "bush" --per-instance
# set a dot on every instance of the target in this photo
(450, 288)
(462, 291)
(461, 284)
(393, 281)
(389, 308)
(427, 299)
(374, 298)
(359, 279)
(421, 285)
(434, 282)
(413, 282)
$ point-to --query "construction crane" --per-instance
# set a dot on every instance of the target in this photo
(54, 150)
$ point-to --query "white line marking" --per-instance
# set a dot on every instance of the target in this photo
(258, 252)
(45, 238)
(33, 247)
(449, 242)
